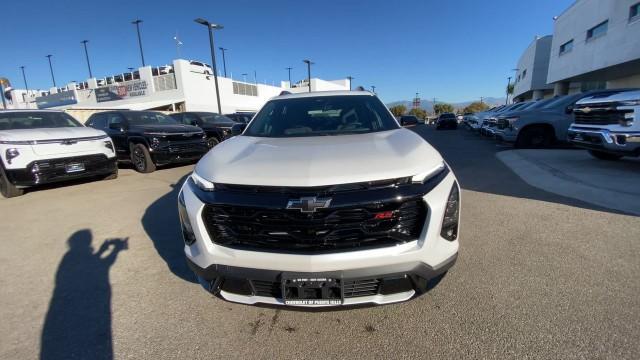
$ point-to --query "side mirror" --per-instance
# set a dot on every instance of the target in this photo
(237, 129)
(569, 109)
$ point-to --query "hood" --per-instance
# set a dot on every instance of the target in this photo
(165, 128)
(49, 134)
(319, 160)
(616, 96)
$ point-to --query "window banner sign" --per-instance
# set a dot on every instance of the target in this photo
(120, 92)
(59, 99)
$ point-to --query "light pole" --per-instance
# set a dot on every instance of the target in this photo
(224, 61)
(373, 89)
(211, 27)
(289, 69)
(350, 79)
(24, 77)
(308, 62)
(51, 69)
(86, 54)
(137, 24)
(508, 85)
(4, 102)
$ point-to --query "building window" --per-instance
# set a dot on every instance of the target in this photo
(245, 89)
(598, 30)
(524, 74)
(634, 12)
(566, 47)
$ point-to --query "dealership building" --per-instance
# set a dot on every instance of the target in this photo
(179, 87)
(596, 45)
(531, 73)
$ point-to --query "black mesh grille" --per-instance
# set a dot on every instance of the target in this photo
(326, 230)
(357, 288)
(599, 114)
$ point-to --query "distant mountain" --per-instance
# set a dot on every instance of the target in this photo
(428, 104)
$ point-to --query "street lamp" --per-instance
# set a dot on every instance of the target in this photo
(289, 68)
(308, 62)
(373, 89)
(350, 78)
(211, 27)
(24, 77)
(51, 69)
(86, 54)
(137, 24)
(508, 85)
(224, 61)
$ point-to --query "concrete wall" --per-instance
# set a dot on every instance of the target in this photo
(619, 45)
(533, 67)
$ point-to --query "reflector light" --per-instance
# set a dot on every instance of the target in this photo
(384, 215)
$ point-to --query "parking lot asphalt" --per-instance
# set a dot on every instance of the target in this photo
(539, 276)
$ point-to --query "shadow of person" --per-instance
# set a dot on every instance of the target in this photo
(161, 223)
(78, 322)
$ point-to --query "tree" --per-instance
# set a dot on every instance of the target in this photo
(419, 113)
(475, 107)
(398, 110)
(440, 108)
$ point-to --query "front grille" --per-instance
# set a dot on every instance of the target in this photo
(502, 124)
(326, 230)
(352, 288)
(357, 288)
(599, 114)
(183, 136)
(44, 166)
(186, 147)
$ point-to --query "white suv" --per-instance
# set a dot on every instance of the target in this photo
(38, 147)
(322, 200)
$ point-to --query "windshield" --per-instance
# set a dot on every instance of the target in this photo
(148, 118)
(36, 120)
(211, 118)
(321, 115)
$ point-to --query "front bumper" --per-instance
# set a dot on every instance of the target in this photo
(616, 142)
(178, 152)
(428, 256)
(54, 170)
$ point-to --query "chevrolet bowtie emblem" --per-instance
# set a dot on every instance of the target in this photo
(586, 110)
(308, 204)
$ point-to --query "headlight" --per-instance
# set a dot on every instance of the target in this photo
(451, 215)
(204, 135)
(629, 103)
(109, 145)
(188, 234)
(512, 119)
(11, 154)
(154, 142)
(422, 177)
(201, 183)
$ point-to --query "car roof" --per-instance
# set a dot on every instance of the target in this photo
(324, 93)
(30, 110)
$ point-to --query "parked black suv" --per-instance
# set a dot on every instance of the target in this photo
(216, 126)
(447, 120)
(149, 139)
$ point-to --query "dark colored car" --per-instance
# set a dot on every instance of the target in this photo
(216, 126)
(149, 139)
(408, 120)
(241, 117)
(447, 120)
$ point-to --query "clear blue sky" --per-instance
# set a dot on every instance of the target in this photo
(454, 50)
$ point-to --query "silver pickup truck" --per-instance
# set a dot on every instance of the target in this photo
(608, 125)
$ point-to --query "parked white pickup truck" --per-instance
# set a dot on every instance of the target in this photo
(608, 125)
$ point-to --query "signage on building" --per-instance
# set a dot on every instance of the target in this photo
(120, 92)
(59, 99)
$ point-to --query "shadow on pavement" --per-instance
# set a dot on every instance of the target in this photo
(473, 160)
(78, 322)
(161, 223)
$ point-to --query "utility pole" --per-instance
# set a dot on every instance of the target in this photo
(86, 54)
(224, 60)
(289, 68)
(137, 24)
(350, 79)
(481, 100)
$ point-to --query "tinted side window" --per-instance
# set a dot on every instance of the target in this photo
(189, 119)
(114, 118)
(98, 121)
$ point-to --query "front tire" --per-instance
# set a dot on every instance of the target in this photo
(212, 142)
(141, 159)
(534, 138)
(7, 189)
(601, 155)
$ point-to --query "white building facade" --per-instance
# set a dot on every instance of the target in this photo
(596, 45)
(532, 70)
(180, 87)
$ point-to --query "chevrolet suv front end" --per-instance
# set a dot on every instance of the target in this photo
(323, 200)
